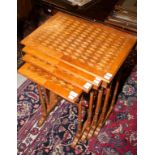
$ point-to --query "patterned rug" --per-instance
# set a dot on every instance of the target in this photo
(117, 137)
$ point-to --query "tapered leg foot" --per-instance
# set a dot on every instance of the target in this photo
(91, 132)
(75, 141)
(41, 121)
(85, 133)
(98, 129)
(79, 130)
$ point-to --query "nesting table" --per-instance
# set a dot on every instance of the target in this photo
(72, 57)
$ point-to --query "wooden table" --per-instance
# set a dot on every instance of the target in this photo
(72, 57)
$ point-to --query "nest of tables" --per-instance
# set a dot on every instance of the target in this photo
(72, 57)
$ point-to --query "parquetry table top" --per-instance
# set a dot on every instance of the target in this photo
(91, 47)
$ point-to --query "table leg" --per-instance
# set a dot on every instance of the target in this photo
(104, 117)
(89, 119)
(95, 119)
(46, 96)
(43, 106)
(48, 102)
(79, 129)
(53, 100)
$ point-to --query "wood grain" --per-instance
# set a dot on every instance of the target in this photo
(63, 75)
(63, 66)
(50, 82)
(91, 47)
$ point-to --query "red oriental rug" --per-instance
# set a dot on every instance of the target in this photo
(117, 137)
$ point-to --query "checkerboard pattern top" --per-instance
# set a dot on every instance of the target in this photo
(92, 47)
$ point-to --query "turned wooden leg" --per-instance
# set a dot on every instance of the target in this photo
(104, 118)
(48, 102)
(113, 100)
(79, 129)
(95, 119)
(53, 100)
(53, 97)
(104, 108)
(43, 107)
(89, 119)
(46, 96)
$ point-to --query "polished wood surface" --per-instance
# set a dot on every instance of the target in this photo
(63, 66)
(98, 10)
(59, 73)
(91, 47)
(51, 82)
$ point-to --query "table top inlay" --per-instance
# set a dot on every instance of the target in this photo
(92, 47)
